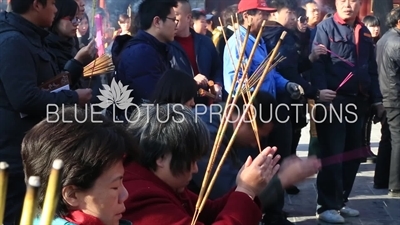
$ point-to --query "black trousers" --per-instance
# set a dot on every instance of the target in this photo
(393, 119)
(15, 198)
(382, 168)
(338, 135)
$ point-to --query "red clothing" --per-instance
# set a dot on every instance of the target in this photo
(151, 201)
(187, 44)
(79, 218)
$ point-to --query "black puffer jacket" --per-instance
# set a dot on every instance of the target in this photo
(388, 59)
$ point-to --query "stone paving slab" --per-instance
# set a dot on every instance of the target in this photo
(375, 206)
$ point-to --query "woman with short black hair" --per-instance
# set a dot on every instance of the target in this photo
(175, 86)
(171, 139)
(92, 191)
(374, 26)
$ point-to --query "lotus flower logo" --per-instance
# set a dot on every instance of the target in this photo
(116, 94)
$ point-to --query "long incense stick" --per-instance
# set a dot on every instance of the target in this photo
(3, 189)
(52, 193)
(31, 197)
(344, 81)
(221, 130)
(245, 75)
(227, 150)
(344, 60)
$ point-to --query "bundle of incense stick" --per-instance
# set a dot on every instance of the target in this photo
(3, 189)
(206, 186)
(99, 66)
(205, 93)
(210, 93)
(30, 202)
(52, 193)
(251, 113)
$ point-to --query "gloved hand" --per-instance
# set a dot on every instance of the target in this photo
(294, 90)
(379, 113)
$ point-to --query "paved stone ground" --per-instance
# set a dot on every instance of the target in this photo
(376, 208)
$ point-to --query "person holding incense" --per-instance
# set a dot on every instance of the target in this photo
(292, 170)
(350, 69)
(196, 54)
(26, 64)
(61, 43)
(171, 143)
(91, 190)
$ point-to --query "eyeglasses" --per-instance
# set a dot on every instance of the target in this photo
(74, 20)
(173, 20)
(303, 19)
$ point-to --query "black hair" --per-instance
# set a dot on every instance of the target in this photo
(282, 4)
(165, 129)
(300, 12)
(251, 12)
(175, 86)
(304, 3)
(393, 17)
(123, 18)
(264, 105)
(196, 15)
(371, 21)
(22, 6)
(65, 8)
(228, 13)
(328, 15)
(87, 149)
(149, 9)
(85, 37)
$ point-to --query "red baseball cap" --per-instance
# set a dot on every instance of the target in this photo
(245, 5)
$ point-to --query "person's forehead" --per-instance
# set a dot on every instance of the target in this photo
(312, 5)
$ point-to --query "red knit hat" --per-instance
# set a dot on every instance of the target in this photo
(245, 5)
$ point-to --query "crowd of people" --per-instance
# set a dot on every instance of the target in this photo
(151, 171)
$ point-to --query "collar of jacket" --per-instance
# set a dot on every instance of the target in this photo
(34, 34)
(66, 45)
(340, 21)
(397, 30)
(196, 37)
(272, 24)
(80, 218)
(158, 45)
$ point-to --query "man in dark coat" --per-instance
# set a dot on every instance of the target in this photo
(388, 58)
(25, 64)
(344, 35)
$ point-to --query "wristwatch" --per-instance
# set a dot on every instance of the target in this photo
(317, 95)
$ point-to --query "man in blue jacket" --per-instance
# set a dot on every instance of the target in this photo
(195, 53)
(346, 36)
(146, 57)
(253, 13)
